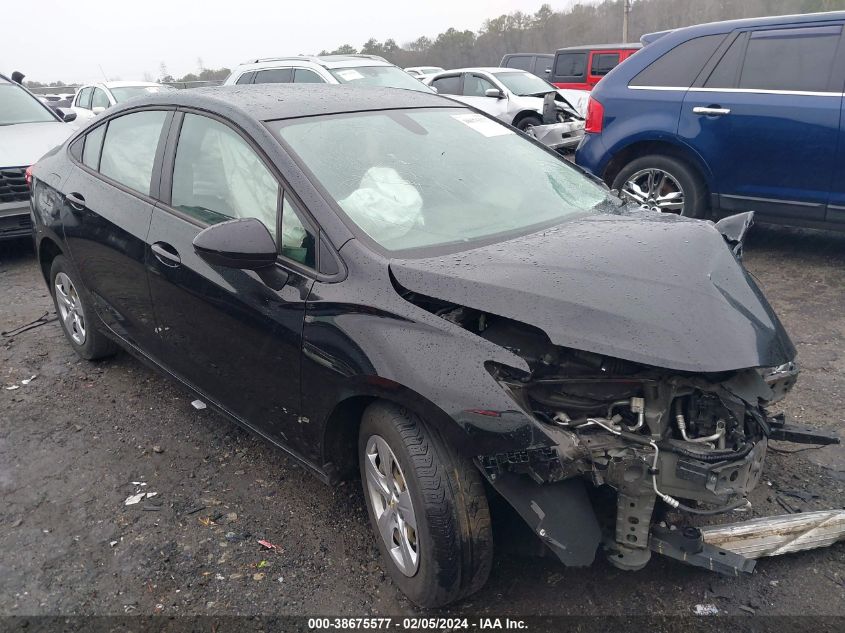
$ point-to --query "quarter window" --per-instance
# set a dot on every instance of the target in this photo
(298, 242)
(790, 59)
(603, 63)
(274, 76)
(570, 65)
(246, 78)
(448, 85)
(679, 67)
(93, 144)
(83, 99)
(129, 148)
(305, 76)
(217, 176)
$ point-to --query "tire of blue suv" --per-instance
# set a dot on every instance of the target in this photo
(690, 184)
(427, 506)
(76, 314)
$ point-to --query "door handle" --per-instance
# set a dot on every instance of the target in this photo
(76, 200)
(711, 110)
(166, 254)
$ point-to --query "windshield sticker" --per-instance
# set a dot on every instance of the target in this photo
(482, 125)
(349, 74)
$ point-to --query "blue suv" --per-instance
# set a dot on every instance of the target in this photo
(726, 117)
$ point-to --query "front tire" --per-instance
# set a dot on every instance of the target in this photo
(76, 313)
(427, 506)
(527, 123)
(663, 183)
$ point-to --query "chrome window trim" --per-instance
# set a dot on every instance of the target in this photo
(805, 93)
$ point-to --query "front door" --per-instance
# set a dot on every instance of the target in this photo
(233, 335)
(766, 121)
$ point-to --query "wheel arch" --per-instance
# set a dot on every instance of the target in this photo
(340, 431)
(524, 114)
(48, 250)
(643, 147)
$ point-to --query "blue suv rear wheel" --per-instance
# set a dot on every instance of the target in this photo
(663, 183)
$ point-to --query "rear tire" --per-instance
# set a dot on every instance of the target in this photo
(695, 202)
(453, 539)
(76, 314)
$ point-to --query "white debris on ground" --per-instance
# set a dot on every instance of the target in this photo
(705, 609)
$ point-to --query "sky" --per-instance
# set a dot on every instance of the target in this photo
(72, 40)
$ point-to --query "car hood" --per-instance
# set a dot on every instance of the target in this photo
(23, 144)
(651, 288)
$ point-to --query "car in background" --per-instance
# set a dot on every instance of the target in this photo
(728, 116)
(582, 67)
(357, 70)
(54, 101)
(539, 64)
(92, 99)
(421, 72)
(518, 98)
(28, 130)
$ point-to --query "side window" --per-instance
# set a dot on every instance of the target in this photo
(274, 76)
(129, 148)
(93, 144)
(298, 242)
(99, 100)
(448, 85)
(679, 67)
(475, 85)
(570, 65)
(83, 99)
(217, 176)
(790, 59)
(523, 62)
(246, 78)
(543, 63)
(305, 76)
(603, 63)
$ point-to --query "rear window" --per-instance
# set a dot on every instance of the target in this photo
(603, 63)
(790, 59)
(679, 67)
(570, 65)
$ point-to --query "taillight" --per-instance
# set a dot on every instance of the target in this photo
(595, 116)
(28, 176)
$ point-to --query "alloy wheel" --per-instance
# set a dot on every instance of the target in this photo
(392, 505)
(70, 308)
(655, 189)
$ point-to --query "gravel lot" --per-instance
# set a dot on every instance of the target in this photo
(75, 437)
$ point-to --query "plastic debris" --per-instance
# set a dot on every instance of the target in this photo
(199, 405)
(12, 387)
(262, 564)
(26, 381)
(706, 609)
(131, 500)
(258, 576)
(157, 449)
(268, 545)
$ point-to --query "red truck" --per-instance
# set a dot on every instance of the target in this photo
(581, 67)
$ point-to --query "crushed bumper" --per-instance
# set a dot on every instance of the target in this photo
(559, 135)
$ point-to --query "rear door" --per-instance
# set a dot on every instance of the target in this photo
(106, 217)
(274, 76)
(766, 120)
(229, 333)
(543, 65)
(570, 70)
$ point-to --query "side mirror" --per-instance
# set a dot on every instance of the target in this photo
(98, 109)
(67, 115)
(494, 92)
(244, 243)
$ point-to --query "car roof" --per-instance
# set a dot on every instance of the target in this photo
(729, 25)
(485, 69)
(326, 61)
(268, 102)
(602, 47)
(120, 84)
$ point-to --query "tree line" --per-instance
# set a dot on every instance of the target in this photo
(547, 30)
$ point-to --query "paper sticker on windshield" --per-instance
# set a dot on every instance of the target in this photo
(349, 74)
(482, 125)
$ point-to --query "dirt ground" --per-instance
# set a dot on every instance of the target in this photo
(74, 439)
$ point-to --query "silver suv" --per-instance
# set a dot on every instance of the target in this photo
(360, 70)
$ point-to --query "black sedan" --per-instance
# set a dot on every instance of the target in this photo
(391, 283)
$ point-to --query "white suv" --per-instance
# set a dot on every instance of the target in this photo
(360, 70)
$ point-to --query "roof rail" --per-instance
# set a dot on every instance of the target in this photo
(279, 59)
(313, 58)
